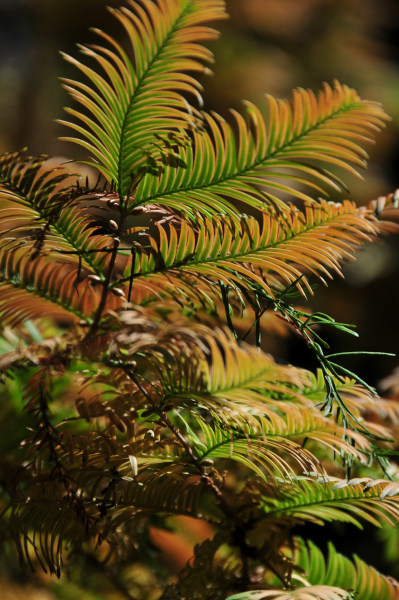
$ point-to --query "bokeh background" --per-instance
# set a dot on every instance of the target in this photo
(267, 46)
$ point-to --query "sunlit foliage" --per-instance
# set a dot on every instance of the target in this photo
(122, 349)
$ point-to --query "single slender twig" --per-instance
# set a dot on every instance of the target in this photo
(225, 297)
(257, 319)
(107, 280)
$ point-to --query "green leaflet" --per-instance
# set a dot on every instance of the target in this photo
(318, 501)
(366, 582)
(134, 105)
(234, 170)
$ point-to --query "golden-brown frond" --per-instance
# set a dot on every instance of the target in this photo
(243, 254)
(252, 400)
(206, 358)
(30, 289)
(41, 204)
(106, 447)
(49, 520)
(139, 412)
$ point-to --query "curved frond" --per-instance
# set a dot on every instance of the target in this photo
(136, 106)
(240, 387)
(27, 178)
(31, 289)
(193, 365)
(261, 447)
(131, 410)
(50, 519)
(319, 501)
(148, 447)
(300, 137)
(262, 454)
(189, 357)
(40, 203)
(365, 581)
(243, 254)
(255, 436)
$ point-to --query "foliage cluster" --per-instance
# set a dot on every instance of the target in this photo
(125, 308)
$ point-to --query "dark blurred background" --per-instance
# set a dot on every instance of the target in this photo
(267, 46)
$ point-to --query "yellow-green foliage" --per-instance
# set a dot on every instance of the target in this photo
(122, 349)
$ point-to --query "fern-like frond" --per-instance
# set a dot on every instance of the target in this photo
(258, 436)
(49, 519)
(301, 138)
(193, 361)
(135, 105)
(30, 289)
(96, 449)
(320, 501)
(228, 370)
(243, 254)
(192, 365)
(167, 491)
(39, 203)
(26, 177)
(261, 455)
(134, 410)
(365, 581)
(240, 387)
(33, 192)
(259, 446)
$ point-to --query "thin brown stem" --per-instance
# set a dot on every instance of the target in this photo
(165, 419)
(108, 277)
